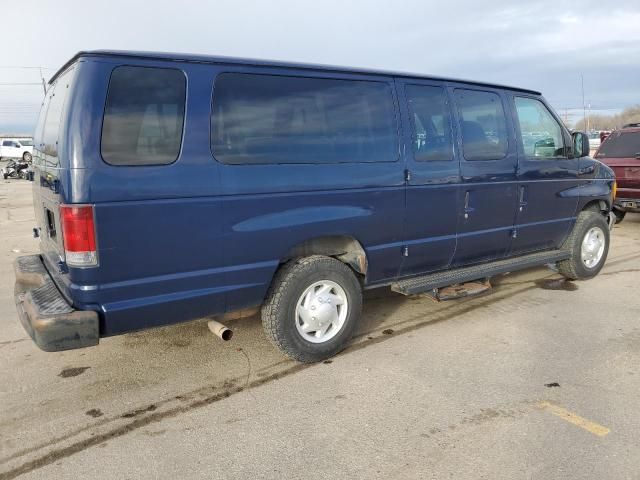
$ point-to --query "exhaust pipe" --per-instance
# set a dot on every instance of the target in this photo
(219, 330)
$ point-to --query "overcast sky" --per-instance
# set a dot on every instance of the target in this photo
(544, 45)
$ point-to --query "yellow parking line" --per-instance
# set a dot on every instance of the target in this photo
(577, 420)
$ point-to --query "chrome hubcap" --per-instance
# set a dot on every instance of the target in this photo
(321, 311)
(592, 249)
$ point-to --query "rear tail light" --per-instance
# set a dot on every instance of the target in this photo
(79, 234)
(614, 190)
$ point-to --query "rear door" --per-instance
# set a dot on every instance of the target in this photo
(433, 173)
(547, 178)
(487, 192)
(48, 169)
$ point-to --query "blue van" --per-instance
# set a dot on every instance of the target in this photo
(173, 187)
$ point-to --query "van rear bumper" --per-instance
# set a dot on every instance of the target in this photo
(45, 314)
(626, 204)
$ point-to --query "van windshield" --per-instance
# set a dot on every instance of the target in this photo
(621, 145)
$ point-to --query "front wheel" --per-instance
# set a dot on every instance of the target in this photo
(312, 308)
(588, 244)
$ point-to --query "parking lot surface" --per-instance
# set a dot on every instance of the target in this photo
(538, 379)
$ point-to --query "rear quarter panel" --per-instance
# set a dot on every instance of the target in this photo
(627, 172)
(158, 227)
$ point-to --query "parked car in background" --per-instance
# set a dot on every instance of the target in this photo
(303, 186)
(621, 151)
(594, 140)
(16, 148)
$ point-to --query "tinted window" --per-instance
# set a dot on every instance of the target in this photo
(483, 124)
(431, 123)
(621, 144)
(144, 116)
(279, 119)
(541, 134)
(51, 126)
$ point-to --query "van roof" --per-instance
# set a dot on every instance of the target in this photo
(192, 58)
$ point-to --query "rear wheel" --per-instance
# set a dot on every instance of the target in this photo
(619, 215)
(312, 308)
(588, 244)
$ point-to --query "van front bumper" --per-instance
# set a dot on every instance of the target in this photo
(45, 314)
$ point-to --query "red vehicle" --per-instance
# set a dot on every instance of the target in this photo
(621, 151)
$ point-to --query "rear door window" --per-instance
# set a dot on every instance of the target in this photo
(144, 116)
(621, 144)
(483, 125)
(269, 119)
(431, 123)
(540, 133)
(51, 126)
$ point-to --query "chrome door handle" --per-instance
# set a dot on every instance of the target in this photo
(522, 199)
(467, 208)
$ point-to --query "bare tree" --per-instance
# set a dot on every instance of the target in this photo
(611, 122)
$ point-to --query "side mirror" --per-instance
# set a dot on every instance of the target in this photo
(580, 144)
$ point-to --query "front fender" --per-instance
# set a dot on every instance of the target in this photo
(598, 185)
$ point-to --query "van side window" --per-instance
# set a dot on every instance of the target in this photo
(431, 123)
(541, 134)
(483, 125)
(144, 116)
(269, 119)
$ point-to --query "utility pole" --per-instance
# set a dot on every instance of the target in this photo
(584, 107)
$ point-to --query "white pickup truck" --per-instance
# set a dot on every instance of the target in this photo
(16, 148)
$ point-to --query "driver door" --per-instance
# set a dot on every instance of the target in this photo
(547, 177)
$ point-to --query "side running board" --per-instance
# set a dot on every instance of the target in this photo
(425, 283)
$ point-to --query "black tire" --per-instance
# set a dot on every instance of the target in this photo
(574, 268)
(279, 310)
(26, 156)
(619, 215)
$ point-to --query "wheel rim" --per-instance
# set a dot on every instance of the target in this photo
(593, 245)
(321, 311)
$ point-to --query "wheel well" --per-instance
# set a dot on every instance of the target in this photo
(344, 248)
(599, 206)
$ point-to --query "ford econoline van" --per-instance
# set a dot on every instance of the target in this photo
(173, 187)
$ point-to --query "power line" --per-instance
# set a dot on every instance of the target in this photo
(26, 68)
